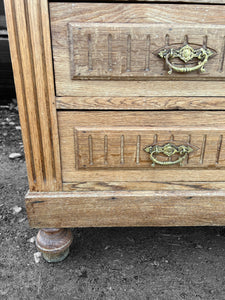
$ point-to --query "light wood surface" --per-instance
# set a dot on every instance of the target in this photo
(96, 88)
(183, 1)
(63, 12)
(199, 21)
(153, 185)
(122, 208)
(151, 174)
(94, 172)
(205, 130)
(28, 27)
(122, 147)
(180, 1)
(124, 51)
(141, 103)
(170, 1)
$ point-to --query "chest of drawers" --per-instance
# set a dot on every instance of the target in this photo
(122, 114)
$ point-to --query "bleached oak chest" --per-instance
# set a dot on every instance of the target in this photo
(122, 113)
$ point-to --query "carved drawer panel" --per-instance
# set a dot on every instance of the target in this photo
(125, 147)
(132, 51)
(141, 142)
(138, 49)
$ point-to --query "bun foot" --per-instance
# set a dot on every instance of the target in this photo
(54, 243)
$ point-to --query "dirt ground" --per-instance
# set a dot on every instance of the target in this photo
(109, 263)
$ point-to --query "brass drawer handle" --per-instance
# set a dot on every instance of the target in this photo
(168, 150)
(186, 53)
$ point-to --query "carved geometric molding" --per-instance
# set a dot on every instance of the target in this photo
(30, 45)
(123, 147)
(129, 51)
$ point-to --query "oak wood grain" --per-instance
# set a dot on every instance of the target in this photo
(122, 147)
(122, 208)
(167, 1)
(152, 88)
(180, 1)
(62, 14)
(163, 124)
(106, 194)
(158, 1)
(153, 185)
(122, 51)
(140, 103)
(29, 35)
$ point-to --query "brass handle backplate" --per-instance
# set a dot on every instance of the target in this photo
(186, 53)
(168, 150)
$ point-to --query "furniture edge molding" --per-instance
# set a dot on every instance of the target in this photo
(124, 208)
(30, 47)
(140, 103)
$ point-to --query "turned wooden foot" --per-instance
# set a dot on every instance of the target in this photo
(54, 243)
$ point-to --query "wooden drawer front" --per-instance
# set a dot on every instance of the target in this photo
(103, 142)
(123, 147)
(100, 44)
(130, 51)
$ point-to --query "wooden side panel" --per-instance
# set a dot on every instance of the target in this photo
(28, 26)
(123, 147)
(146, 208)
(130, 51)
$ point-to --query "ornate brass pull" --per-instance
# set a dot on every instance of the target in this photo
(186, 53)
(168, 150)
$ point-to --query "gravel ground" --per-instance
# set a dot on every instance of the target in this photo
(109, 263)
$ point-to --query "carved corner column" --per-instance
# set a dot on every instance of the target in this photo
(30, 47)
(31, 54)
